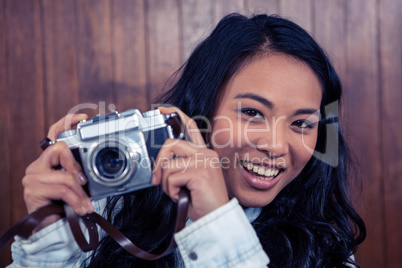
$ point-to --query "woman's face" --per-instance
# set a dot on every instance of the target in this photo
(265, 127)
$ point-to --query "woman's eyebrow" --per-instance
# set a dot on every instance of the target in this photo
(255, 97)
(310, 111)
(270, 105)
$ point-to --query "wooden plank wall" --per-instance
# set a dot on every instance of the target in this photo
(95, 55)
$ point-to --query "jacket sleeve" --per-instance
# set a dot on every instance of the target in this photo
(223, 238)
(53, 246)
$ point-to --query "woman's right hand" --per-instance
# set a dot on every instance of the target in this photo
(43, 182)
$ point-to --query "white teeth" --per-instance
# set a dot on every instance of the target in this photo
(269, 172)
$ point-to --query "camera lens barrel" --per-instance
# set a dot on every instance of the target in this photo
(110, 162)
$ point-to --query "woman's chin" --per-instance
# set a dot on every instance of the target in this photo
(254, 202)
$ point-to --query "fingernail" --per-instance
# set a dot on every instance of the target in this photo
(82, 178)
(81, 211)
(153, 179)
(90, 207)
(82, 116)
(166, 109)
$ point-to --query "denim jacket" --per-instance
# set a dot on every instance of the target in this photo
(223, 238)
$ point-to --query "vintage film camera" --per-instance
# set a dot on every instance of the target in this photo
(117, 150)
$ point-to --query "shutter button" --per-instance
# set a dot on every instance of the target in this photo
(193, 256)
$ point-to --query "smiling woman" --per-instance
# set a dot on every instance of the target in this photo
(262, 104)
(262, 84)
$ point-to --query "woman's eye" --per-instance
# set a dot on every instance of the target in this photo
(252, 113)
(303, 124)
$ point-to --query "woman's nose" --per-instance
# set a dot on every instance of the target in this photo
(273, 142)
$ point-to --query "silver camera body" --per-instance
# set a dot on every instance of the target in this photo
(117, 150)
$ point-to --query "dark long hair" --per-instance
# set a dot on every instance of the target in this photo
(311, 223)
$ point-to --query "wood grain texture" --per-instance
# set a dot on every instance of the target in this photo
(363, 123)
(222, 8)
(94, 54)
(60, 58)
(129, 55)
(5, 189)
(262, 6)
(390, 31)
(301, 12)
(197, 20)
(330, 32)
(24, 97)
(163, 43)
(24, 92)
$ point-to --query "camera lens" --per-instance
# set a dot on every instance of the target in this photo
(110, 163)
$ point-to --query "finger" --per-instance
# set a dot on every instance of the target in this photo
(188, 173)
(60, 154)
(38, 194)
(173, 183)
(68, 179)
(190, 125)
(198, 167)
(170, 149)
(54, 179)
(170, 170)
(66, 123)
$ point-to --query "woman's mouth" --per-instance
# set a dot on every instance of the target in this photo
(259, 176)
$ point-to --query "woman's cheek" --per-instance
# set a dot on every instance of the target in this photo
(305, 148)
(224, 133)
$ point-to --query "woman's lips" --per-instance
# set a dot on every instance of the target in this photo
(259, 177)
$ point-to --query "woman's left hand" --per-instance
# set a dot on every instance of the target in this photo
(190, 164)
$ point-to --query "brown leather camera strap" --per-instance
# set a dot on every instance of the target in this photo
(25, 227)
